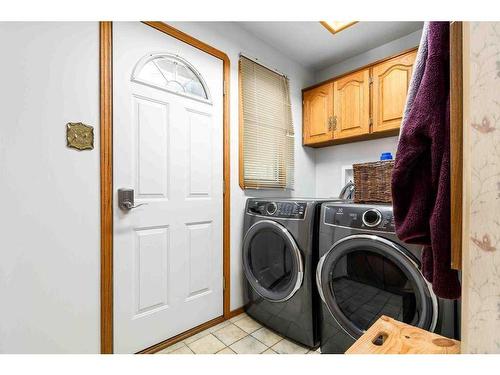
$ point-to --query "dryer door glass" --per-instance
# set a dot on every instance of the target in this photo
(363, 279)
(271, 261)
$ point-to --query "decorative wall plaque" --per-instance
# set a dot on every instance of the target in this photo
(80, 136)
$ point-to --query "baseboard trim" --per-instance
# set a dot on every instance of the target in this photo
(193, 331)
(235, 312)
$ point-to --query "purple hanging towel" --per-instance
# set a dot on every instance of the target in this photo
(421, 175)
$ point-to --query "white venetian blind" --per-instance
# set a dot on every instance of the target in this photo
(267, 137)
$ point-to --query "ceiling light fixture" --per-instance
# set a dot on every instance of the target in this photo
(336, 26)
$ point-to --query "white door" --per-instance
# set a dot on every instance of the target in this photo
(167, 147)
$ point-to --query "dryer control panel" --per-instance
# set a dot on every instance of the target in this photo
(360, 216)
(277, 209)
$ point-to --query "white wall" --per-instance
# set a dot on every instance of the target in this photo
(231, 39)
(330, 160)
(49, 216)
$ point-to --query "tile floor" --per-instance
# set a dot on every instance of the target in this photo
(239, 335)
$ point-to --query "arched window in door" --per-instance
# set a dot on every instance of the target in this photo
(171, 73)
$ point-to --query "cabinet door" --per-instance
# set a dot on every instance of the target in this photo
(317, 115)
(391, 80)
(351, 109)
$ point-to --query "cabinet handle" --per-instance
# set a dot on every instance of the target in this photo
(332, 123)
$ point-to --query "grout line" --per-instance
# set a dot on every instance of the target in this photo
(215, 337)
(227, 325)
(209, 334)
(250, 334)
(226, 347)
(241, 339)
(269, 347)
(247, 334)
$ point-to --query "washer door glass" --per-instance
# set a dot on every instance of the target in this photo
(364, 277)
(272, 261)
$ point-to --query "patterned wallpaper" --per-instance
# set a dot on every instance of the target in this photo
(481, 296)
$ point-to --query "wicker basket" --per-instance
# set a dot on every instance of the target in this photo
(373, 182)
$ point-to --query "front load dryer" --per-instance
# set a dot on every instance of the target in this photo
(365, 271)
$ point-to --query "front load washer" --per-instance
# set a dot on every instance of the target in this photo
(365, 271)
(279, 260)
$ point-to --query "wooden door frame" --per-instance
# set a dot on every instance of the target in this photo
(106, 180)
(456, 142)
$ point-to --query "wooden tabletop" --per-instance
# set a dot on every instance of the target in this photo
(389, 336)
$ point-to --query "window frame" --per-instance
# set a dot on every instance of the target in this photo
(156, 55)
(257, 184)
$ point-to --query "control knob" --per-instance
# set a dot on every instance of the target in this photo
(372, 217)
(271, 208)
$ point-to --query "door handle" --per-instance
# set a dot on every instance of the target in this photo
(126, 199)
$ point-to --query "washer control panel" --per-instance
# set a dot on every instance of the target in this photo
(360, 216)
(277, 209)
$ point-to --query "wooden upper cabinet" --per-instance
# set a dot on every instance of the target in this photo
(391, 80)
(365, 104)
(351, 105)
(317, 116)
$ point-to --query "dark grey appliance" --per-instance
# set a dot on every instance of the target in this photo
(365, 271)
(279, 261)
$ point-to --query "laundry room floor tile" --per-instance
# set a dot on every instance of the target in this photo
(198, 336)
(248, 345)
(226, 350)
(247, 324)
(219, 326)
(269, 351)
(266, 336)
(238, 317)
(288, 347)
(230, 334)
(182, 350)
(207, 345)
(238, 335)
(313, 352)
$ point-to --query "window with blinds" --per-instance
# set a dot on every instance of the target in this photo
(266, 128)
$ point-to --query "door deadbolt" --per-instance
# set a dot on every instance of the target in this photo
(126, 199)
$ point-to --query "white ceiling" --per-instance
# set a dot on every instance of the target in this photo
(314, 47)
